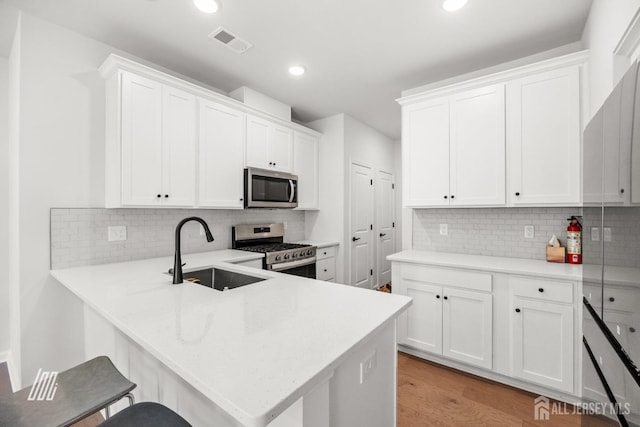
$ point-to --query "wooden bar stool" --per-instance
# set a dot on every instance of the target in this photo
(79, 392)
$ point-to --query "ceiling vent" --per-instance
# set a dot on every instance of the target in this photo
(230, 40)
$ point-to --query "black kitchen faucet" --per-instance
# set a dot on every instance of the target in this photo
(177, 259)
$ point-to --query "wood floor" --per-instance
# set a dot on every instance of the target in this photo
(432, 395)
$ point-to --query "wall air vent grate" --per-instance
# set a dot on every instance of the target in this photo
(230, 40)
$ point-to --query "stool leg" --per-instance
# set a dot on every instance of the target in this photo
(132, 399)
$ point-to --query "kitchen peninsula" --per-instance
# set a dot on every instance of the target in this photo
(286, 351)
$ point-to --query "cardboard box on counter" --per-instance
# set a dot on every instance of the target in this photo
(556, 254)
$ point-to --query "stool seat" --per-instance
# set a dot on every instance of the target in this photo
(146, 414)
(80, 392)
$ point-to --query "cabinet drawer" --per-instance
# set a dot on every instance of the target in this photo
(327, 252)
(444, 277)
(543, 289)
(326, 269)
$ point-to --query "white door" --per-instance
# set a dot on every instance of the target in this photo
(543, 130)
(178, 148)
(467, 327)
(477, 150)
(421, 326)
(385, 231)
(221, 156)
(258, 131)
(425, 153)
(543, 343)
(361, 226)
(305, 166)
(281, 148)
(141, 136)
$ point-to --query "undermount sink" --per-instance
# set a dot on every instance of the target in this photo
(219, 279)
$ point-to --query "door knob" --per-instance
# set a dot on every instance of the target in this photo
(383, 234)
(353, 239)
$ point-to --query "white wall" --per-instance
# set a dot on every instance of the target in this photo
(327, 224)
(608, 20)
(4, 207)
(397, 167)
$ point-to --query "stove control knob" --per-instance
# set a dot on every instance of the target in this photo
(286, 256)
(309, 252)
(294, 255)
(303, 253)
(278, 257)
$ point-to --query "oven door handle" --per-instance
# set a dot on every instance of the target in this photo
(293, 190)
(292, 264)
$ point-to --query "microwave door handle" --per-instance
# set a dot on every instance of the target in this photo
(293, 190)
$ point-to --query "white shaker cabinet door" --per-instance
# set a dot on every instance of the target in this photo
(281, 148)
(221, 156)
(467, 327)
(141, 139)
(258, 135)
(425, 152)
(178, 148)
(542, 341)
(421, 326)
(543, 134)
(478, 147)
(305, 166)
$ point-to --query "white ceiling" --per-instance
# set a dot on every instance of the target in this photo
(360, 54)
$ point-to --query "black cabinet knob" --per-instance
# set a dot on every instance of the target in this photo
(540, 289)
(612, 299)
(324, 253)
(241, 199)
(446, 197)
(517, 193)
(274, 163)
(446, 297)
(325, 270)
(159, 195)
(622, 191)
(632, 330)
(438, 296)
(453, 197)
(166, 196)
(517, 310)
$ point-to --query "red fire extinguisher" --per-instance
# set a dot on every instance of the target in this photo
(574, 241)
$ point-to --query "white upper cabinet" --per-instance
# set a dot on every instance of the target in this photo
(543, 132)
(269, 145)
(425, 153)
(454, 150)
(512, 138)
(477, 150)
(221, 156)
(158, 144)
(305, 166)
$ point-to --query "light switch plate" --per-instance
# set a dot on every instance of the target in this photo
(444, 229)
(117, 233)
(529, 232)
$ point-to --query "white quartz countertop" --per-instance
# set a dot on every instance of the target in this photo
(488, 263)
(319, 243)
(254, 350)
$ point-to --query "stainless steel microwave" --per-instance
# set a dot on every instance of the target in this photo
(270, 189)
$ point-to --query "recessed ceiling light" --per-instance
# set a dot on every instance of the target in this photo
(296, 70)
(206, 6)
(453, 5)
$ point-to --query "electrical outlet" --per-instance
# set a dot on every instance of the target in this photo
(367, 366)
(444, 229)
(607, 234)
(595, 234)
(529, 232)
(117, 233)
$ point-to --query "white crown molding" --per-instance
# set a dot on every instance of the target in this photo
(115, 63)
(576, 58)
(630, 40)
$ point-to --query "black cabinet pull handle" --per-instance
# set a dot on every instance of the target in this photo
(612, 299)
(446, 197)
(517, 193)
(353, 239)
(540, 289)
(517, 310)
(446, 297)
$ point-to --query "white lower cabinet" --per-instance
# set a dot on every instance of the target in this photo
(326, 263)
(452, 322)
(542, 343)
(520, 329)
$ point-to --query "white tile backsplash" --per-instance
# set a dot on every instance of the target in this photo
(79, 236)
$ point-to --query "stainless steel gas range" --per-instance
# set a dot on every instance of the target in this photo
(290, 258)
